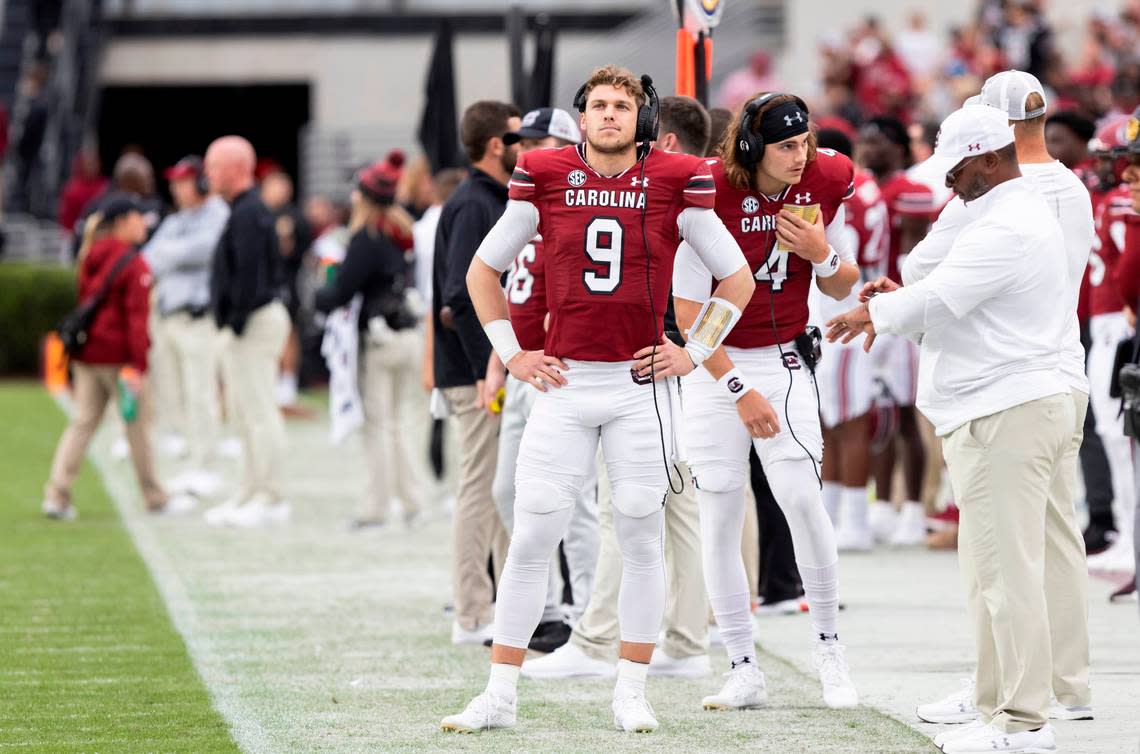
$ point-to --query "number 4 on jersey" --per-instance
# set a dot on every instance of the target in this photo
(774, 270)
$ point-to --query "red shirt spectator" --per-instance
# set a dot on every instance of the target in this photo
(85, 184)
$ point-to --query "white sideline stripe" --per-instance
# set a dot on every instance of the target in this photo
(244, 728)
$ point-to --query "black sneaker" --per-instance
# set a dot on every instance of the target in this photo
(550, 636)
(1098, 538)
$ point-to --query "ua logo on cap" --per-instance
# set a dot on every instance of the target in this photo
(530, 118)
(974, 147)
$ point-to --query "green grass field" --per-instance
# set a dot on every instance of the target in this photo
(89, 660)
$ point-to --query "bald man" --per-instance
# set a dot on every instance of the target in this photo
(245, 291)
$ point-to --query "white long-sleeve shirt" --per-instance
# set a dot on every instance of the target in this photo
(992, 312)
(1064, 193)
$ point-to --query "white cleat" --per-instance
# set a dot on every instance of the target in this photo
(849, 539)
(173, 446)
(666, 666)
(1118, 558)
(198, 482)
(258, 514)
(230, 448)
(484, 712)
(954, 709)
(989, 738)
(633, 714)
(831, 664)
(57, 510)
(958, 731)
(480, 635)
(1058, 711)
(568, 661)
(744, 689)
(219, 514)
(176, 505)
(911, 528)
(120, 449)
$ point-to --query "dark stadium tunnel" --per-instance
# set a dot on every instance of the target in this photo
(168, 122)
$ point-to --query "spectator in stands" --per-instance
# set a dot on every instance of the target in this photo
(246, 285)
(743, 83)
(461, 350)
(180, 255)
(85, 183)
(132, 174)
(388, 355)
(293, 239)
(113, 361)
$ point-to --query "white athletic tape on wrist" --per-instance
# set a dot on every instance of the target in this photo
(829, 266)
(735, 383)
(713, 323)
(503, 339)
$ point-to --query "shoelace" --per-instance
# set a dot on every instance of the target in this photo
(833, 667)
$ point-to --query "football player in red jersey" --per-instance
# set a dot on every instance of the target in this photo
(611, 215)
(846, 374)
(782, 198)
(1108, 325)
(884, 149)
(544, 128)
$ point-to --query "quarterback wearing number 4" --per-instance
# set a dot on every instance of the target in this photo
(782, 199)
(611, 214)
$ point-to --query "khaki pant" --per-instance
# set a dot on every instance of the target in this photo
(252, 373)
(477, 530)
(389, 376)
(193, 357)
(167, 394)
(686, 607)
(94, 386)
(1003, 468)
(1066, 574)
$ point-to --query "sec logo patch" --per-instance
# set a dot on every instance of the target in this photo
(751, 205)
(576, 178)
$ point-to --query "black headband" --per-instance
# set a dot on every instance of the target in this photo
(783, 122)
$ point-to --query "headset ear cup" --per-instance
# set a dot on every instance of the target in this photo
(580, 99)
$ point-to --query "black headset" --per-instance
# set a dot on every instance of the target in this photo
(749, 143)
(648, 115)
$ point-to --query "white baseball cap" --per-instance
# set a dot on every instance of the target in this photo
(968, 132)
(1008, 91)
(543, 122)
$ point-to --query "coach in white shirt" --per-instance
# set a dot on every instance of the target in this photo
(993, 319)
(1021, 97)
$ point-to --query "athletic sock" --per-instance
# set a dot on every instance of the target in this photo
(831, 495)
(854, 508)
(744, 660)
(631, 678)
(504, 680)
(734, 621)
(821, 586)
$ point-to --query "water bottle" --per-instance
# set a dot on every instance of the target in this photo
(129, 382)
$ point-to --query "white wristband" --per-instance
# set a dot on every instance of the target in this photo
(503, 339)
(829, 266)
(734, 382)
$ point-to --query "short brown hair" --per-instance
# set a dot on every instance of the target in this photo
(720, 117)
(739, 176)
(483, 121)
(1034, 101)
(689, 120)
(618, 77)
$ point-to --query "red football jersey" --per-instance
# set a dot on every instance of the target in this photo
(866, 213)
(597, 281)
(526, 296)
(904, 198)
(1113, 214)
(783, 279)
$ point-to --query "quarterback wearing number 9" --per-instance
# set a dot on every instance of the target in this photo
(611, 214)
(782, 199)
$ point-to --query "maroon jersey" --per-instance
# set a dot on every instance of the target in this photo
(866, 213)
(904, 198)
(595, 252)
(1113, 214)
(526, 296)
(783, 279)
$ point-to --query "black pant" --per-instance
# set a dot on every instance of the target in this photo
(1094, 464)
(779, 577)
